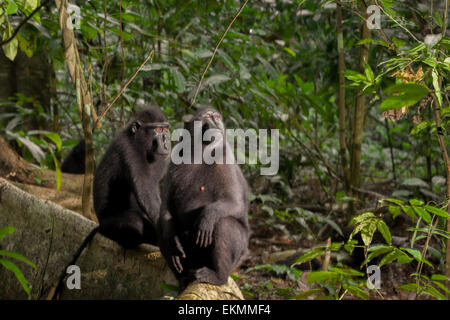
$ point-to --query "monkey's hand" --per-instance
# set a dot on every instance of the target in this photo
(175, 252)
(205, 228)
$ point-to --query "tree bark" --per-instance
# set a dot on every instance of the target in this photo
(358, 121)
(341, 100)
(49, 235)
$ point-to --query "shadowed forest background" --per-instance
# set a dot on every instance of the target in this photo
(363, 115)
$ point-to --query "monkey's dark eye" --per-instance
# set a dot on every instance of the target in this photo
(159, 130)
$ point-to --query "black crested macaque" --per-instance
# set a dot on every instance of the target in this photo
(74, 162)
(203, 230)
(126, 182)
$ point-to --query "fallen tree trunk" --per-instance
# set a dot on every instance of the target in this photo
(49, 235)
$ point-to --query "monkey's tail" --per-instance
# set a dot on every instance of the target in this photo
(54, 295)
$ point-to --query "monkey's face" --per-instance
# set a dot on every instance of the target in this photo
(153, 138)
(211, 119)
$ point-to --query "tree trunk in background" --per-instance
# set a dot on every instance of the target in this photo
(30, 77)
(446, 157)
(358, 121)
(84, 100)
(341, 102)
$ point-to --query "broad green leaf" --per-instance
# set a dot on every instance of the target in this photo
(55, 138)
(306, 294)
(290, 51)
(369, 73)
(356, 291)
(439, 277)
(368, 231)
(377, 252)
(395, 211)
(412, 287)
(308, 256)
(421, 212)
(437, 211)
(384, 229)
(11, 8)
(396, 201)
(5, 231)
(10, 49)
(409, 211)
(437, 88)
(415, 202)
(415, 253)
(316, 276)
(403, 95)
(180, 81)
(17, 256)
(354, 76)
(432, 291)
(361, 217)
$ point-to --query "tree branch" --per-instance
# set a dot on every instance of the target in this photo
(24, 21)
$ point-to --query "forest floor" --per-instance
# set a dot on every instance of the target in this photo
(270, 245)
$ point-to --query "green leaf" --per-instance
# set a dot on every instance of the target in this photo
(356, 291)
(375, 252)
(17, 256)
(412, 287)
(19, 275)
(437, 88)
(384, 229)
(180, 81)
(11, 8)
(439, 277)
(368, 231)
(290, 51)
(423, 214)
(354, 76)
(409, 212)
(308, 256)
(10, 49)
(217, 79)
(415, 253)
(396, 201)
(395, 211)
(305, 294)
(361, 217)
(369, 73)
(6, 230)
(404, 95)
(437, 211)
(415, 202)
(55, 138)
(316, 276)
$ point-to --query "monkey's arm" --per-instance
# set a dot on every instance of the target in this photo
(168, 242)
(212, 213)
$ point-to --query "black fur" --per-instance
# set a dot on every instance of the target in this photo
(203, 228)
(126, 182)
(74, 162)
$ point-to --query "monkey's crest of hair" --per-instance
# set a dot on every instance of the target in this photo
(150, 114)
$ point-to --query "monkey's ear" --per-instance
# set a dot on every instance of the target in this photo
(135, 126)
